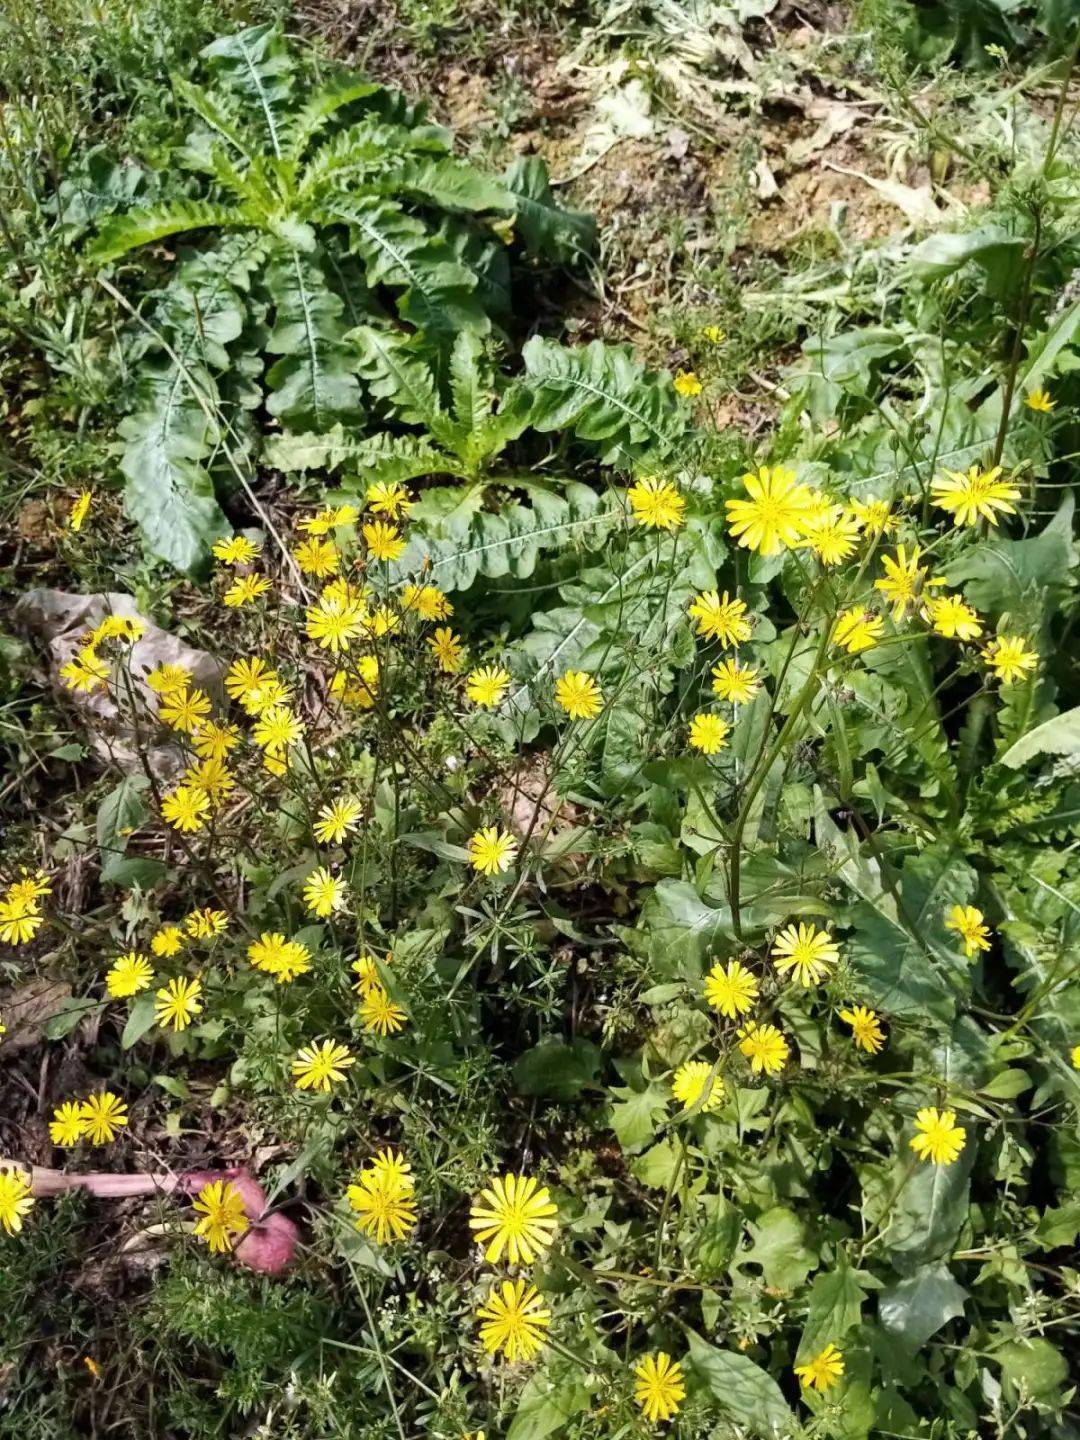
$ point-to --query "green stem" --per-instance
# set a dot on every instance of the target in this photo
(761, 771)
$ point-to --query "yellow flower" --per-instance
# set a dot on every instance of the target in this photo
(164, 679)
(775, 516)
(379, 1014)
(857, 630)
(579, 695)
(247, 681)
(317, 557)
(384, 541)
(514, 1320)
(366, 970)
(764, 1046)
(383, 1201)
(81, 508)
(1008, 659)
(656, 504)
(103, 1115)
(244, 589)
(16, 1200)
(186, 808)
(118, 627)
(184, 710)
(738, 684)
(222, 1217)
(940, 1139)
(823, 1371)
(492, 851)
(689, 1084)
(30, 889)
(952, 618)
(177, 1003)
(687, 383)
(978, 494)
(213, 778)
(833, 535)
(515, 1215)
(718, 618)
(129, 974)
(873, 515)
(18, 922)
(337, 819)
(428, 601)
(713, 334)
(1040, 400)
(213, 741)
(203, 924)
(86, 672)
(382, 621)
(446, 647)
(808, 953)
(487, 686)
(731, 989)
(335, 622)
(327, 519)
(904, 580)
(1074, 1055)
(658, 1386)
(708, 733)
(66, 1126)
(323, 893)
(238, 550)
(389, 498)
(392, 1163)
(967, 922)
(321, 1066)
(866, 1028)
(276, 729)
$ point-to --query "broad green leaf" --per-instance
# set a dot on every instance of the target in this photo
(121, 233)
(603, 395)
(314, 383)
(929, 1210)
(779, 1247)
(546, 228)
(741, 1390)
(120, 813)
(1059, 736)
(556, 1069)
(1033, 1368)
(636, 1114)
(453, 184)
(657, 1168)
(920, 1305)
(836, 1301)
(376, 457)
(549, 1401)
(169, 492)
(256, 64)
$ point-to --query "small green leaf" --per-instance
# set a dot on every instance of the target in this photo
(140, 1020)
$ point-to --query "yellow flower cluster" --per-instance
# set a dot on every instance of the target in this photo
(383, 1198)
(97, 1119)
(20, 908)
(514, 1219)
(89, 670)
